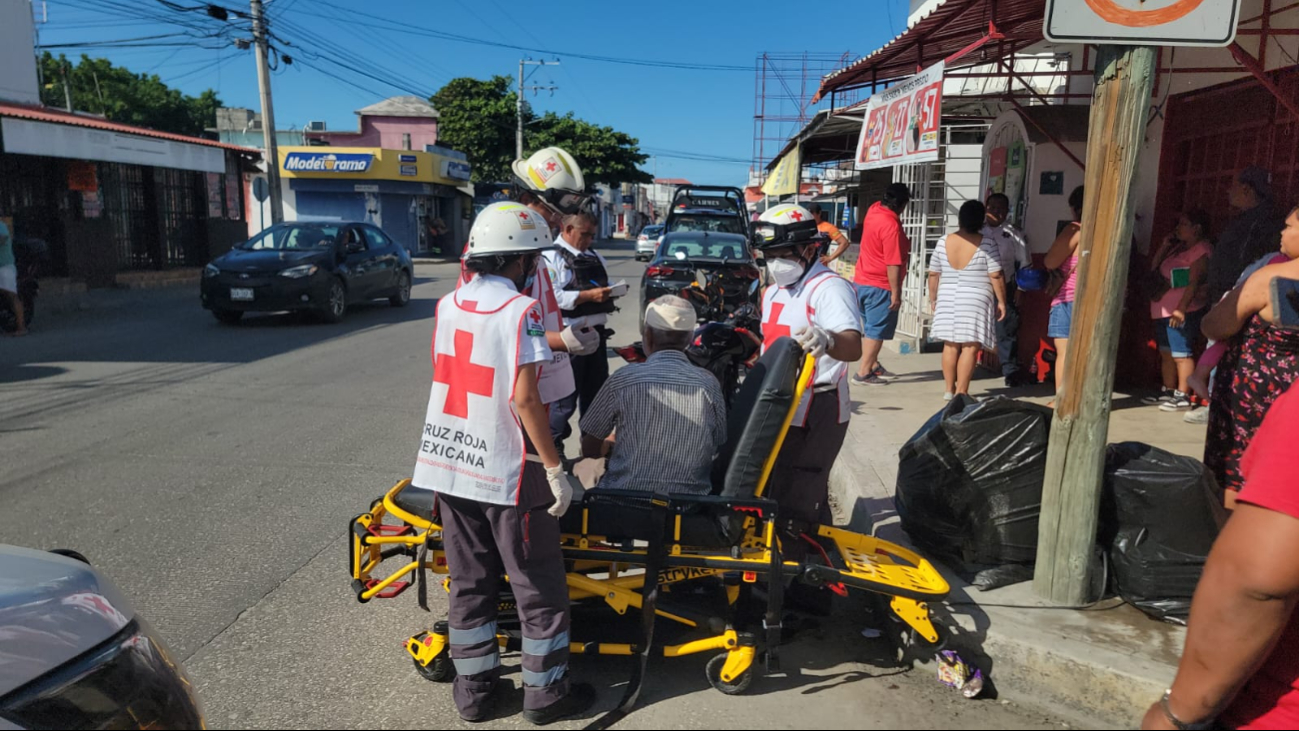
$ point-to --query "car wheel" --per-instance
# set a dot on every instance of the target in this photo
(335, 303)
(403, 291)
(228, 317)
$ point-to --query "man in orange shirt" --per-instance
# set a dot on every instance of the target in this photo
(831, 232)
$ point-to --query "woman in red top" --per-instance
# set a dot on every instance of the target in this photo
(1241, 662)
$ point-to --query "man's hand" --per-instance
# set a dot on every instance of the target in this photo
(561, 487)
(814, 340)
(583, 341)
(603, 294)
(1001, 311)
(895, 300)
(1177, 320)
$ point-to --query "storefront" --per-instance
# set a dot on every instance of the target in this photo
(421, 199)
(1213, 112)
(109, 198)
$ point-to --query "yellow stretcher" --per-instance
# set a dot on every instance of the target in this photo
(613, 540)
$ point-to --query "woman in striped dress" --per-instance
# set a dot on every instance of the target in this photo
(967, 294)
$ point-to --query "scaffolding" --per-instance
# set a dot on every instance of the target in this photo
(783, 87)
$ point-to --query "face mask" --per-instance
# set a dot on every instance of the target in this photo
(525, 284)
(785, 271)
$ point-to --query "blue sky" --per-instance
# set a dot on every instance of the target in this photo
(675, 113)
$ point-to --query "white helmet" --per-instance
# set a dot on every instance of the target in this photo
(785, 225)
(553, 176)
(508, 228)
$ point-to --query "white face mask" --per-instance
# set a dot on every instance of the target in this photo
(785, 271)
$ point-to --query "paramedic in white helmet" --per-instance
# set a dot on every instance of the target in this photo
(818, 308)
(486, 451)
(551, 196)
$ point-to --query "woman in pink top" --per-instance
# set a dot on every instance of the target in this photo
(1063, 259)
(1179, 302)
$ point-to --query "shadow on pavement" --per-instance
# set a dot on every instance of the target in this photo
(171, 327)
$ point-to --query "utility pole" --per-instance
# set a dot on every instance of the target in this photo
(67, 90)
(1075, 457)
(518, 103)
(268, 113)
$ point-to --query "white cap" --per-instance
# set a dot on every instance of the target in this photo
(671, 313)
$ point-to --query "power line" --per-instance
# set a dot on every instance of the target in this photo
(393, 26)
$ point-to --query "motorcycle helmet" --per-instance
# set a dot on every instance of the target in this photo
(785, 225)
(1032, 279)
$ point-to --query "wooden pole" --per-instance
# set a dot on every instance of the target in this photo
(1076, 454)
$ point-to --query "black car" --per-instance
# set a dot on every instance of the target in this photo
(706, 232)
(725, 258)
(320, 267)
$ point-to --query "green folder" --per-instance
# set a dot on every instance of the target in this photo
(1181, 277)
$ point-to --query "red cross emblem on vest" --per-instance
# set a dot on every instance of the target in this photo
(461, 376)
(772, 330)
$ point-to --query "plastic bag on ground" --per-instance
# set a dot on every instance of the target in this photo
(1160, 514)
(969, 487)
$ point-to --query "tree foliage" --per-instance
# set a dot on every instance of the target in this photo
(478, 119)
(99, 87)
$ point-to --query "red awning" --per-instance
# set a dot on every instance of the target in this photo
(58, 116)
(951, 27)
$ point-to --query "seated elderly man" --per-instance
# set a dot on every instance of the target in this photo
(667, 416)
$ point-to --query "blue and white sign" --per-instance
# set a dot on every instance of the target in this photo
(456, 170)
(328, 162)
(410, 170)
(406, 158)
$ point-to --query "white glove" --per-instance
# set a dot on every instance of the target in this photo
(580, 342)
(561, 486)
(814, 340)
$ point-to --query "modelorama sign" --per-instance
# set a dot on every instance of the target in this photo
(901, 122)
(328, 162)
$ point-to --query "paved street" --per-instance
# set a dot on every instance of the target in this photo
(212, 470)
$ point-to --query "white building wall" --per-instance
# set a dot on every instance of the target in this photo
(18, 79)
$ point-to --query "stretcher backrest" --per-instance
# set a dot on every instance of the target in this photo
(757, 414)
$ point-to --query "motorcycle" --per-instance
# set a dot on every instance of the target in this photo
(29, 253)
(727, 341)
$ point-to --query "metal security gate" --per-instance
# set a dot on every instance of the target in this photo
(182, 214)
(924, 222)
(1208, 141)
(128, 205)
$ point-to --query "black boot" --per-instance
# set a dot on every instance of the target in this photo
(580, 698)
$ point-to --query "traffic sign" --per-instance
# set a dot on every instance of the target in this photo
(1142, 22)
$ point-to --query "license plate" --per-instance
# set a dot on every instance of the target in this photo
(241, 295)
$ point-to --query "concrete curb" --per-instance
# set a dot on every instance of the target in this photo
(1103, 665)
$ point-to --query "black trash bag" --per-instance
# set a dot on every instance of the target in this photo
(1160, 514)
(970, 487)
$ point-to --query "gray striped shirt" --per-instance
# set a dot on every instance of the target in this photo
(670, 419)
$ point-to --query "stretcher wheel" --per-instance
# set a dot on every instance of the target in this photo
(714, 672)
(441, 670)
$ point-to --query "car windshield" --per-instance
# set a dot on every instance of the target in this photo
(705, 250)
(710, 224)
(652, 231)
(292, 238)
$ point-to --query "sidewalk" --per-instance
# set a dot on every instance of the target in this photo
(1106, 663)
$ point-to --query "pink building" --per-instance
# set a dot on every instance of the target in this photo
(399, 123)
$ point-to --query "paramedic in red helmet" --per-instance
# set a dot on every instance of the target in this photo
(487, 453)
(817, 308)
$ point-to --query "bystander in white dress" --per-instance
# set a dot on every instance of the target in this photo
(967, 306)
